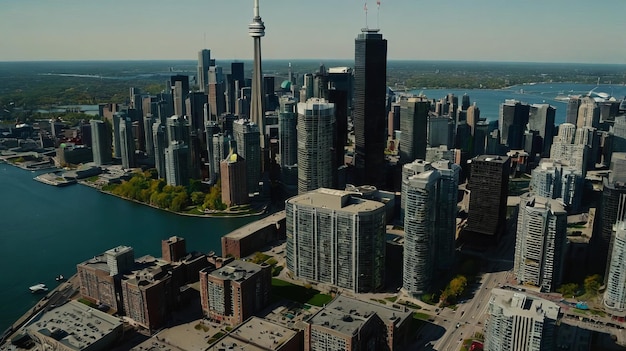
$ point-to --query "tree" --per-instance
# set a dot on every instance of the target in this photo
(568, 290)
(592, 284)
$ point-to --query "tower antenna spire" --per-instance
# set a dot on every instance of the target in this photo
(365, 9)
(377, 12)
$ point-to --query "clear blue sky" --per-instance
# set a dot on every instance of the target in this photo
(485, 30)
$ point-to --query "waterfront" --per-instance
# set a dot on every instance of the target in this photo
(45, 231)
(489, 100)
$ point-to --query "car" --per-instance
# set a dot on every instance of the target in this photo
(458, 325)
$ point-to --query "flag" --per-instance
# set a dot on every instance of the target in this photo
(365, 7)
(378, 3)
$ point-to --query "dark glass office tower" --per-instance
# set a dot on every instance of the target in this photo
(370, 88)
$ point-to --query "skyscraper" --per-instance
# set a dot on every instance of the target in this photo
(512, 123)
(336, 238)
(100, 142)
(370, 89)
(414, 127)
(287, 134)
(429, 197)
(204, 61)
(615, 292)
(541, 119)
(489, 184)
(160, 143)
(540, 242)
(419, 225)
(588, 113)
(179, 85)
(233, 180)
(316, 124)
(520, 323)
(246, 135)
(127, 143)
(177, 163)
(257, 109)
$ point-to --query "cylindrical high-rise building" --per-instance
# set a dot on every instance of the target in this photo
(420, 192)
(316, 123)
(615, 292)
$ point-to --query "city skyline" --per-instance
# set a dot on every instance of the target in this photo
(484, 30)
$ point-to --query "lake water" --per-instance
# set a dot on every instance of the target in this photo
(489, 100)
(45, 231)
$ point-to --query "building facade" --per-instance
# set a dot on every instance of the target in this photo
(414, 127)
(488, 183)
(316, 125)
(541, 242)
(518, 322)
(246, 136)
(369, 110)
(336, 238)
(233, 293)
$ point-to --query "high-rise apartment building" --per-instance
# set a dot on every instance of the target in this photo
(287, 133)
(518, 322)
(553, 180)
(179, 85)
(541, 242)
(414, 127)
(316, 125)
(100, 142)
(127, 143)
(369, 113)
(204, 61)
(116, 118)
(489, 186)
(233, 293)
(430, 198)
(246, 135)
(419, 226)
(336, 238)
(615, 291)
(233, 179)
(177, 163)
(148, 121)
(159, 138)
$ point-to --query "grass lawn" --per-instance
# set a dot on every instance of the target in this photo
(287, 290)
(391, 298)
(421, 315)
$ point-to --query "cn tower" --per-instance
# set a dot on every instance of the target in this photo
(256, 29)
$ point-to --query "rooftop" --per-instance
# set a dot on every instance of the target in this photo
(517, 304)
(263, 333)
(338, 200)
(75, 325)
(236, 270)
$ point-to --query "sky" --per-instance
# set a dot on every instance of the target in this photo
(463, 30)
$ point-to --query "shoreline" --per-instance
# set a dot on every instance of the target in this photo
(207, 215)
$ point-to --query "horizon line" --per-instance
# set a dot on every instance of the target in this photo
(308, 59)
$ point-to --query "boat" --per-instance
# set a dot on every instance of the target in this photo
(38, 288)
(59, 278)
